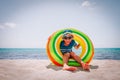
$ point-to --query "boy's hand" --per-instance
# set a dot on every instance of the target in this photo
(77, 46)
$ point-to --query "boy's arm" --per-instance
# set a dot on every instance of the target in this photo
(77, 46)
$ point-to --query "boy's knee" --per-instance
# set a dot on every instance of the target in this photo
(74, 55)
(67, 54)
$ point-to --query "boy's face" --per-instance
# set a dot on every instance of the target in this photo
(67, 39)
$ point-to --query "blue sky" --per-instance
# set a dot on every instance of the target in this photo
(28, 23)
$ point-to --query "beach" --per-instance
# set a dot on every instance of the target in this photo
(31, 69)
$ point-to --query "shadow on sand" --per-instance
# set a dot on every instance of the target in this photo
(57, 68)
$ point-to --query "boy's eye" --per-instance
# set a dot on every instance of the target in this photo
(67, 37)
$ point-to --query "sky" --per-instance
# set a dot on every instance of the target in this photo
(29, 23)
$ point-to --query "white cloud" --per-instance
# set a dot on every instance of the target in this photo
(88, 4)
(7, 25)
(10, 25)
(1, 26)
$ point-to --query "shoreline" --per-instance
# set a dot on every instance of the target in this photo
(31, 69)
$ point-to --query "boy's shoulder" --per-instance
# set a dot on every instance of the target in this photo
(73, 40)
(62, 41)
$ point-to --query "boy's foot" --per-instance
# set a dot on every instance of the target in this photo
(70, 68)
(87, 67)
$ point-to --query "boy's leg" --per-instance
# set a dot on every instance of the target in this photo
(77, 58)
(66, 57)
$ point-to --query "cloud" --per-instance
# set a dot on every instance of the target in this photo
(1, 26)
(7, 25)
(10, 25)
(88, 4)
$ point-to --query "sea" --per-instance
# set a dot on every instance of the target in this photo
(40, 53)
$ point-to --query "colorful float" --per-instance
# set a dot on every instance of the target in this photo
(55, 55)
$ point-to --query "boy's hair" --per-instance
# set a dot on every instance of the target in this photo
(66, 32)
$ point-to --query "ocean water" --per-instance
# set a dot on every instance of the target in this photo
(40, 53)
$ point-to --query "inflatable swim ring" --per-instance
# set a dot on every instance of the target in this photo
(55, 55)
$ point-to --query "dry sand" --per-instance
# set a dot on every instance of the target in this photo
(44, 70)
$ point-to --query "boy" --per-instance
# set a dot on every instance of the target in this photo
(66, 46)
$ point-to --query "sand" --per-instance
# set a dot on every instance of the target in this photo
(44, 70)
